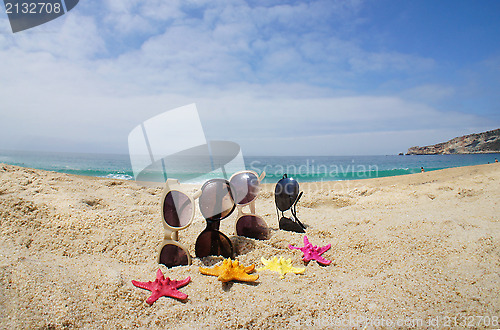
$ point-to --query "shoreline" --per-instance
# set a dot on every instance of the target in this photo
(297, 177)
(303, 169)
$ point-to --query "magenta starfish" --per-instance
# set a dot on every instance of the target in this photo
(163, 286)
(313, 252)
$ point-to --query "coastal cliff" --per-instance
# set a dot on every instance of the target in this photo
(486, 142)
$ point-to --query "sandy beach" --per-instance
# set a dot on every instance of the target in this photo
(420, 250)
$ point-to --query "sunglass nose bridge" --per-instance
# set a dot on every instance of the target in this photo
(240, 208)
(213, 225)
(252, 207)
(171, 235)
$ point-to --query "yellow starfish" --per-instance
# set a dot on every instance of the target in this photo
(281, 266)
(231, 270)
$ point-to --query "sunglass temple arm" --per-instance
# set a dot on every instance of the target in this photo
(294, 211)
(197, 194)
(262, 176)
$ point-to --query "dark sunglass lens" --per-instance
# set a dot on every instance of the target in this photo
(245, 187)
(291, 187)
(253, 227)
(290, 225)
(177, 209)
(216, 200)
(213, 243)
(172, 255)
(286, 193)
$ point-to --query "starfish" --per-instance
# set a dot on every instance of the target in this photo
(280, 265)
(313, 252)
(163, 286)
(231, 270)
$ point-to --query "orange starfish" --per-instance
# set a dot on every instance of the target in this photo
(231, 270)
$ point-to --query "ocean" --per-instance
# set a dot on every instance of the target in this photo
(302, 168)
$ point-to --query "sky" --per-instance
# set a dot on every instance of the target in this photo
(346, 77)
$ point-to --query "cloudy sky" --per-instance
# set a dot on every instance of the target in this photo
(278, 77)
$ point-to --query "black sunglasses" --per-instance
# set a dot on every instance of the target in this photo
(286, 196)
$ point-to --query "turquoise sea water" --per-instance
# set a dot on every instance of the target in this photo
(99, 165)
(303, 168)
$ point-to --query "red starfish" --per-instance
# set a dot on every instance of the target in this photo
(313, 252)
(163, 286)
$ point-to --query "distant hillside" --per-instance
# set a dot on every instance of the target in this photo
(479, 143)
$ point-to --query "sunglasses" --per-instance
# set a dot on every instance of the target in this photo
(245, 186)
(177, 209)
(286, 196)
(216, 203)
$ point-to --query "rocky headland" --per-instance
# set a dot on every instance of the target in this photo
(485, 142)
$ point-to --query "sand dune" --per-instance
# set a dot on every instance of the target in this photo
(412, 250)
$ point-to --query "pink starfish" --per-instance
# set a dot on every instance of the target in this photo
(313, 252)
(163, 286)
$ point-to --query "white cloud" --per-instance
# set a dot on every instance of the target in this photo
(234, 42)
(74, 38)
(429, 93)
(255, 122)
(382, 62)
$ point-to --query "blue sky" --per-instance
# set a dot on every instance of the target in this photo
(278, 77)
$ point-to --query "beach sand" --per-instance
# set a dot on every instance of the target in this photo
(417, 250)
